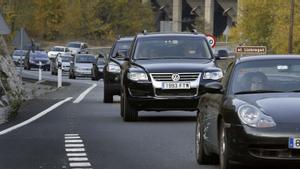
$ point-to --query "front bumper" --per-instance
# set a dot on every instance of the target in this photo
(145, 97)
(83, 73)
(266, 146)
(36, 65)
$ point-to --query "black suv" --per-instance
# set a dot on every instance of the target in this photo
(111, 70)
(165, 71)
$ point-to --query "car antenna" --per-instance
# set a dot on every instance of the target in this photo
(194, 31)
(144, 31)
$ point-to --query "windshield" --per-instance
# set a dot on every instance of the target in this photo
(172, 48)
(74, 45)
(85, 59)
(266, 76)
(100, 61)
(19, 53)
(66, 58)
(123, 45)
(57, 49)
(39, 55)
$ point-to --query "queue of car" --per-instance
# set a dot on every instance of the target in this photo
(248, 115)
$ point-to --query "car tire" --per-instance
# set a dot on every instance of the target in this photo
(130, 113)
(108, 96)
(122, 105)
(201, 156)
(224, 148)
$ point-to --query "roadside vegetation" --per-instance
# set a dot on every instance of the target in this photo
(91, 20)
(266, 22)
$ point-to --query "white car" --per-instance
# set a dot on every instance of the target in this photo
(56, 50)
(77, 47)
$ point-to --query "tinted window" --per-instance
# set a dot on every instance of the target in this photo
(19, 53)
(101, 61)
(172, 48)
(85, 59)
(58, 49)
(274, 75)
(124, 45)
(66, 58)
(74, 45)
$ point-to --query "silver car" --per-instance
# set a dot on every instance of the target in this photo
(18, 56)
(81, 65)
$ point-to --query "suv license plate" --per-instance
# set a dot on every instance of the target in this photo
(176, 86)
(294, 143)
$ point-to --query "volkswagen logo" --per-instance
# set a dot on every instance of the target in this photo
(175, 77)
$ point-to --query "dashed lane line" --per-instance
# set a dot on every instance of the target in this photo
(76, 154)
(32, 119)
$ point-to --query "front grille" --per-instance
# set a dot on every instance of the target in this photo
(280, 153)
(168, 76)
(173, 92)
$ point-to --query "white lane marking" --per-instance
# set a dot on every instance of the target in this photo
(74, 145)
(35, 117)
(82, 168)
(83, 94)
(76, 154)
(72, 137)
(78, 159)
(86, 164)
(75, 149)
(73, 141)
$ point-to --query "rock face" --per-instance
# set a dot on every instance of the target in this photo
(11, 92)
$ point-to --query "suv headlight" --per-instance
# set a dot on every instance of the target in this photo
(137, 76)
(113, 68)
(252, 116)
(217, 75)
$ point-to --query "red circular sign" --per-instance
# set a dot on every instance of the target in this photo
(211, 40)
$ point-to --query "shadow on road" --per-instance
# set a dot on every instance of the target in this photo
(167, 118)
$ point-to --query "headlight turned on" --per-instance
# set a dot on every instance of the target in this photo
(113, 68)
(137, 76)
(217, 75)
(253, 117)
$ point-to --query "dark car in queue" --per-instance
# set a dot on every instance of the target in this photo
(18, 56)
(166, 72)
(252, 117)
(81, 65)
(111, 70)
(34, 59)
(97, 69)
(65, 58)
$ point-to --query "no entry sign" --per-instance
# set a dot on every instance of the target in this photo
(211, 40)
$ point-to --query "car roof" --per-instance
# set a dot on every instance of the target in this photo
(129, 38)
(266, 57)
(170, 34)
(77, 42)
(59, 46)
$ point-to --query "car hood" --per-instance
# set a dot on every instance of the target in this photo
(175, 65)
(283, 107)
(74, 49)
(84, 65)
(65, 63)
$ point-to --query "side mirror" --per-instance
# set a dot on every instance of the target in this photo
(122, 54)
(214, 87)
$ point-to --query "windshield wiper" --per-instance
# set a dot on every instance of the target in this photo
(258, 91)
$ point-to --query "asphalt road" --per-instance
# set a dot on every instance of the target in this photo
(91, 134)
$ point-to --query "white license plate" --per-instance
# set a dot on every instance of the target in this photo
(294, 143)
(176, 86)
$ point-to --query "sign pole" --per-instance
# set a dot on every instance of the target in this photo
(40, 71)
(21, 62)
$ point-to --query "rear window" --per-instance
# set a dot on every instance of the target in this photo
(74, 45)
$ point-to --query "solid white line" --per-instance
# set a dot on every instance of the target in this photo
(78, 159)
(83, 94)
(73, 141)
(73, 137)
(75, 149)
(70, 135)
(76, 154)
(87, 164)
(35, 117)
(74, 145)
